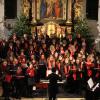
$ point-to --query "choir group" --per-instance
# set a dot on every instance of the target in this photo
(25, 60)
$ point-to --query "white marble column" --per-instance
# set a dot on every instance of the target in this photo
(2, 35)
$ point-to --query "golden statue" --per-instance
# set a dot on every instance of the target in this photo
(26, 7)
(78, 8)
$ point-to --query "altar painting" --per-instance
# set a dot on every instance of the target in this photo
(51, 9)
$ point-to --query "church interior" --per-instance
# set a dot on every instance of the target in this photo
(37, 36)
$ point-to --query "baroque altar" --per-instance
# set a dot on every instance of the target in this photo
(51, 17)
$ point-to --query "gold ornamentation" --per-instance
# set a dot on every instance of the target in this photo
(78, 8)
(25, 7)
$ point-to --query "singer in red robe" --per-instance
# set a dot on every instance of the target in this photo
(31, 73)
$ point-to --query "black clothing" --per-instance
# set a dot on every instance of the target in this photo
(92, 95)
(53, 85)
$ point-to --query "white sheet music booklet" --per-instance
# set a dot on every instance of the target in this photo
(91, 84)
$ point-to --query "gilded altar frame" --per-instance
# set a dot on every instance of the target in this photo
(66, 11)
(66, 6)
(36, 13)
(51, 13)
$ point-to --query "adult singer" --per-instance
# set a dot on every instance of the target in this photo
(53, 85)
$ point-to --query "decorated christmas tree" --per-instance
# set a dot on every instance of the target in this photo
(82, 28)
(22, 26)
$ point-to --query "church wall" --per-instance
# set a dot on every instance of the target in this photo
(2, 35)
(84, 9)
(19, 9)
(10, 22)
(98, 27)
(99, 14)
(94, 26)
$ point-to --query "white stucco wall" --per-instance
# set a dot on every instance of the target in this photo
(2, 18)
(94, 26)
(19, 2)
(83, 9)
(98, 27)
(12, 21)
(97, 38)
(99, 13)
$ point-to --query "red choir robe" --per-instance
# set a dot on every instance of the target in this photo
(98, 73)
(8, 78)
(19, 73)
(74, 72)
(51, 64)
(4, 67)
(89, 65)
(66, 70)
(31, 72)
(80, 69)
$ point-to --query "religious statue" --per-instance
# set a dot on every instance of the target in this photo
(26, 7)
(43, 8)
(57, 8)
(78, 8)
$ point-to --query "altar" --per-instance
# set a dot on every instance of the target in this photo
(51, 17)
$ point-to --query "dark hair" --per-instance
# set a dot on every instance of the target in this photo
(53, 70)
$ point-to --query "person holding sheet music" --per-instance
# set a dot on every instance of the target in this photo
(53, 85)
(42, 67)
(93, 89)
(19, 77)
(31, 73)
(7, 82)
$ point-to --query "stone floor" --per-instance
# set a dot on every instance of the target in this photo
(57, 99)
(45, 99)
(42, 95)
